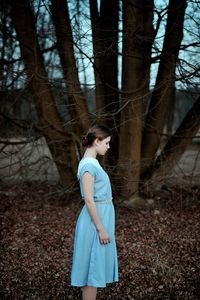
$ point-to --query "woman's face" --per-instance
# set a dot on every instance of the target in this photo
(102, 146)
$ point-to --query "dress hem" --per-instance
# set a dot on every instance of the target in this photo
(94, 284)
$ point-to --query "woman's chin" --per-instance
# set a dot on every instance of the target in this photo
(102, 154)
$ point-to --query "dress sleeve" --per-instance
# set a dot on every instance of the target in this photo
(88, 167)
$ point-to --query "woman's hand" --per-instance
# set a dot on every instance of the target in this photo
(104, 237)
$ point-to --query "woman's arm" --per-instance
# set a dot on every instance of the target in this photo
(88, 191)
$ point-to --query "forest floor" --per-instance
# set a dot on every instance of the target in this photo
(158, 248)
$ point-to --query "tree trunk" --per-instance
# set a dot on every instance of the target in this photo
(170, 111)
(109, 11)
(4, 44)
(148, 39)
(135, 83)
(105, 47)
(164, 82)
(97, 50)
(59, 141)
(77, 103)
(109, 18)
(178, 143)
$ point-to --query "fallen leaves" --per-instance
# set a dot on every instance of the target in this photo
(158, 249)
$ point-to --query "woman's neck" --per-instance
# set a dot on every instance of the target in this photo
(90, 153)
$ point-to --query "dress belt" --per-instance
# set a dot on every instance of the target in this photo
(103, 201)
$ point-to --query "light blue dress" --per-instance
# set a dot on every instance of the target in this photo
(93, 263)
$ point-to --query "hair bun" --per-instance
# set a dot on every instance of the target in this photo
(95, 132)
(84, 141)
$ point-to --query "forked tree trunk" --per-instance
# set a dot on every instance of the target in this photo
(135, 83)
(177, 144)
(164, 82)
(59, 141)
(77, 103)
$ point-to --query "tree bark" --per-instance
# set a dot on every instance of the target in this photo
(59, 141)
(109, 18)
(165, 81)
(177, 144)
(109, 15)
(170, 111)
(77, 103)
(105, 48)
(6, 46)
(137, 41)
(148, 39)
(97, 50)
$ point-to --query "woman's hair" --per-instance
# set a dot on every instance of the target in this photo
(96, 132)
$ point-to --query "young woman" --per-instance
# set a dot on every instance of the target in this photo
(95, 261)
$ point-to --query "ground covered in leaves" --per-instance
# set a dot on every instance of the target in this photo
(158, 248)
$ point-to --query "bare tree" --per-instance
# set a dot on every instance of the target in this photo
(177, 143)
(59, 141)
(164, 82)
(104, 23)
(77, 103)
(137, 112)
(137, 41)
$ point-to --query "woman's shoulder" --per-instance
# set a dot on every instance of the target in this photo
(88, 160)
(87, 163)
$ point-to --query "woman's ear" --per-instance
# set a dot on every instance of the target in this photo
(96, 142)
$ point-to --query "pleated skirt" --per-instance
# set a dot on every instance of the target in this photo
(93, 263)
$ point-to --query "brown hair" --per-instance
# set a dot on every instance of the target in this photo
(96, 132)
